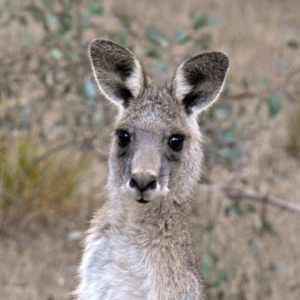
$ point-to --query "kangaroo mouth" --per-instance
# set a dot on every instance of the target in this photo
(143, 201)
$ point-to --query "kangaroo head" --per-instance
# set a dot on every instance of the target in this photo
(156, 153)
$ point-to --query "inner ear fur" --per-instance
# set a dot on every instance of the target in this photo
(198, 81)
(118, 72)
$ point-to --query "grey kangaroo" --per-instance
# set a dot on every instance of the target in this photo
(139, 245)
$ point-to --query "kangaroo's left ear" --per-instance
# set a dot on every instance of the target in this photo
(198, 81)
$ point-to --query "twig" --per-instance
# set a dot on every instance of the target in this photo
(54, 150)
(84, 146)
(234, 193)
(237, 194)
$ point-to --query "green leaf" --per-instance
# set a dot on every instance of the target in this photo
(242, 111)
(10, 7)
(35, 12)
(222, 276)
(225, 153)
(26, 39)
(283, 64)
(181, 36)
(25, 157)
(95, 9)
(245, 83)
(282, 176)
(60, 126)
(223, 111)
(203, 43)
(255, 250)
(274, 105)
(206, 265)
(99, 121)
(9, 92)
(125, 20)
(86, 21)
(233, 208)
(227, 136)
(200, 20)
(263, 81)
(152, 52)
(48, 3)
(72, 56)
(52, 20)
(215, 21)
(155, 36)
(90, 88)
(120, 37)
(161, 66)
(65, 21)
(56, 53)
(22, 20)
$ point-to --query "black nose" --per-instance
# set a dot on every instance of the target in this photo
(143, 182)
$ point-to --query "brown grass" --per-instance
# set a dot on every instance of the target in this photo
(37, 191)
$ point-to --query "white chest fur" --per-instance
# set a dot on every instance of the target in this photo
(116, 266)
(113, 268)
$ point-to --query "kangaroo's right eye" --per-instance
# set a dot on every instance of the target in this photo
(123, 138)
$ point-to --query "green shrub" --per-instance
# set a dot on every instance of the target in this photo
(294, 135)
(32, 190)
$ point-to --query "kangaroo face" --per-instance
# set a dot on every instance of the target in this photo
(150, 143)
(156, 146)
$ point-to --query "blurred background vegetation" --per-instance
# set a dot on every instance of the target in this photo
(54, 137)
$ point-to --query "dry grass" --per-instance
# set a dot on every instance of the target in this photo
(35, 191)
(246, 259)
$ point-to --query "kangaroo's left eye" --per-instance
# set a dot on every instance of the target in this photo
(176, 142)
(123, 138)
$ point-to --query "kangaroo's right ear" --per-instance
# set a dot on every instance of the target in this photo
(118, 72)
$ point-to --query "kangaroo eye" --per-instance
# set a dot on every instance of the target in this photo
(123, 138)
(176, 142)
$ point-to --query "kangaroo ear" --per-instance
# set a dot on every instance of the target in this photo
(198, 81)
(118, 72)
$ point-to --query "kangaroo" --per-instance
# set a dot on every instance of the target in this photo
(139, 245)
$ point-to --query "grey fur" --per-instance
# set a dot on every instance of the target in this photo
(139, 250)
